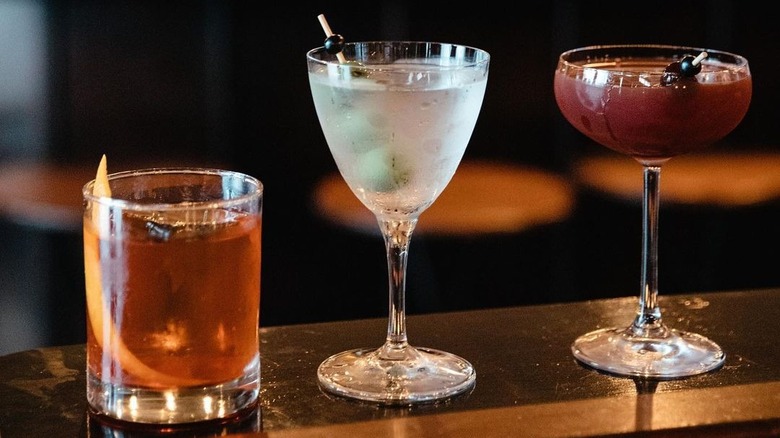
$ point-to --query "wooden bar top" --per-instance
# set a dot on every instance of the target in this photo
(528, 383)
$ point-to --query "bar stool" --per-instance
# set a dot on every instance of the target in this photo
(494, 237)
(718, 209)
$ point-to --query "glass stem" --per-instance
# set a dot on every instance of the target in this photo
(649, 314)
(397, 234)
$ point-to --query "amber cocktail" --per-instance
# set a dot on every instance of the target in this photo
(172, 263)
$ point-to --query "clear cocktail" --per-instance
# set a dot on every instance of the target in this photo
(397, 117)
(398, 142)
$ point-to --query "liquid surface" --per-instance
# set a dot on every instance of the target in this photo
(635, 115)
(178, 305)
(397, 138)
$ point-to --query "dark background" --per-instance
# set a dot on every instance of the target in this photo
(224, 82)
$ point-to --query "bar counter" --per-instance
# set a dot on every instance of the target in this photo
(528, 383)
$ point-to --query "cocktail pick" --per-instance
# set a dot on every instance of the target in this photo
(334, 43)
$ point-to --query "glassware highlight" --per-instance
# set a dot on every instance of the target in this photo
(172, 272)
(397, 117)
(622, 98)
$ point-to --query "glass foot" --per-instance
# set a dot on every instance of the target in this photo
(673, 354)
(396, 376)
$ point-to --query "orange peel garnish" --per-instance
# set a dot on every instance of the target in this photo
(104, 329)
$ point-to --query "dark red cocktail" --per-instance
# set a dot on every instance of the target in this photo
(651, 102)
(621, 103)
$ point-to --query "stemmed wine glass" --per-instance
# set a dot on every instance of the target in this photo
(651, 102)
(397, 116)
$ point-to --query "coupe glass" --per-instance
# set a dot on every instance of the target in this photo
(625, 97)
(397, 116)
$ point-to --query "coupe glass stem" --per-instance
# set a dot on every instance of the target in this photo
(648, 348)
(397, 235)
(649, 315)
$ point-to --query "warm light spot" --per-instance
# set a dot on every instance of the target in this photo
(172, 339)
(208, 404)
(170, 401)
(132, 406)
(221, 337)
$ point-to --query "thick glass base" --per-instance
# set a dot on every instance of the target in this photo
(396, 376)
(623, 352)
(175, 406)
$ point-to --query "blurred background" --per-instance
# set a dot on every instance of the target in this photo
(224, 83)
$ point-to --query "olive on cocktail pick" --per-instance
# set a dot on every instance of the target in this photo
(688, 67)
(334, 44)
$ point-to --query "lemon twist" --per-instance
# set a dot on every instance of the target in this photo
(104, 329)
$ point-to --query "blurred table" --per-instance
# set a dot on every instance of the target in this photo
(47, 195)
(43, 195)
(483, 197)
(718, 215)
(717, 179)
(528, 384)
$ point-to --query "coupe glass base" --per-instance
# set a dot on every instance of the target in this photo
(622, 352)
(396, 376)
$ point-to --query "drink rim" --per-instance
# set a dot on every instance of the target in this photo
(739, 61)
(483, 59)
(187, 205)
